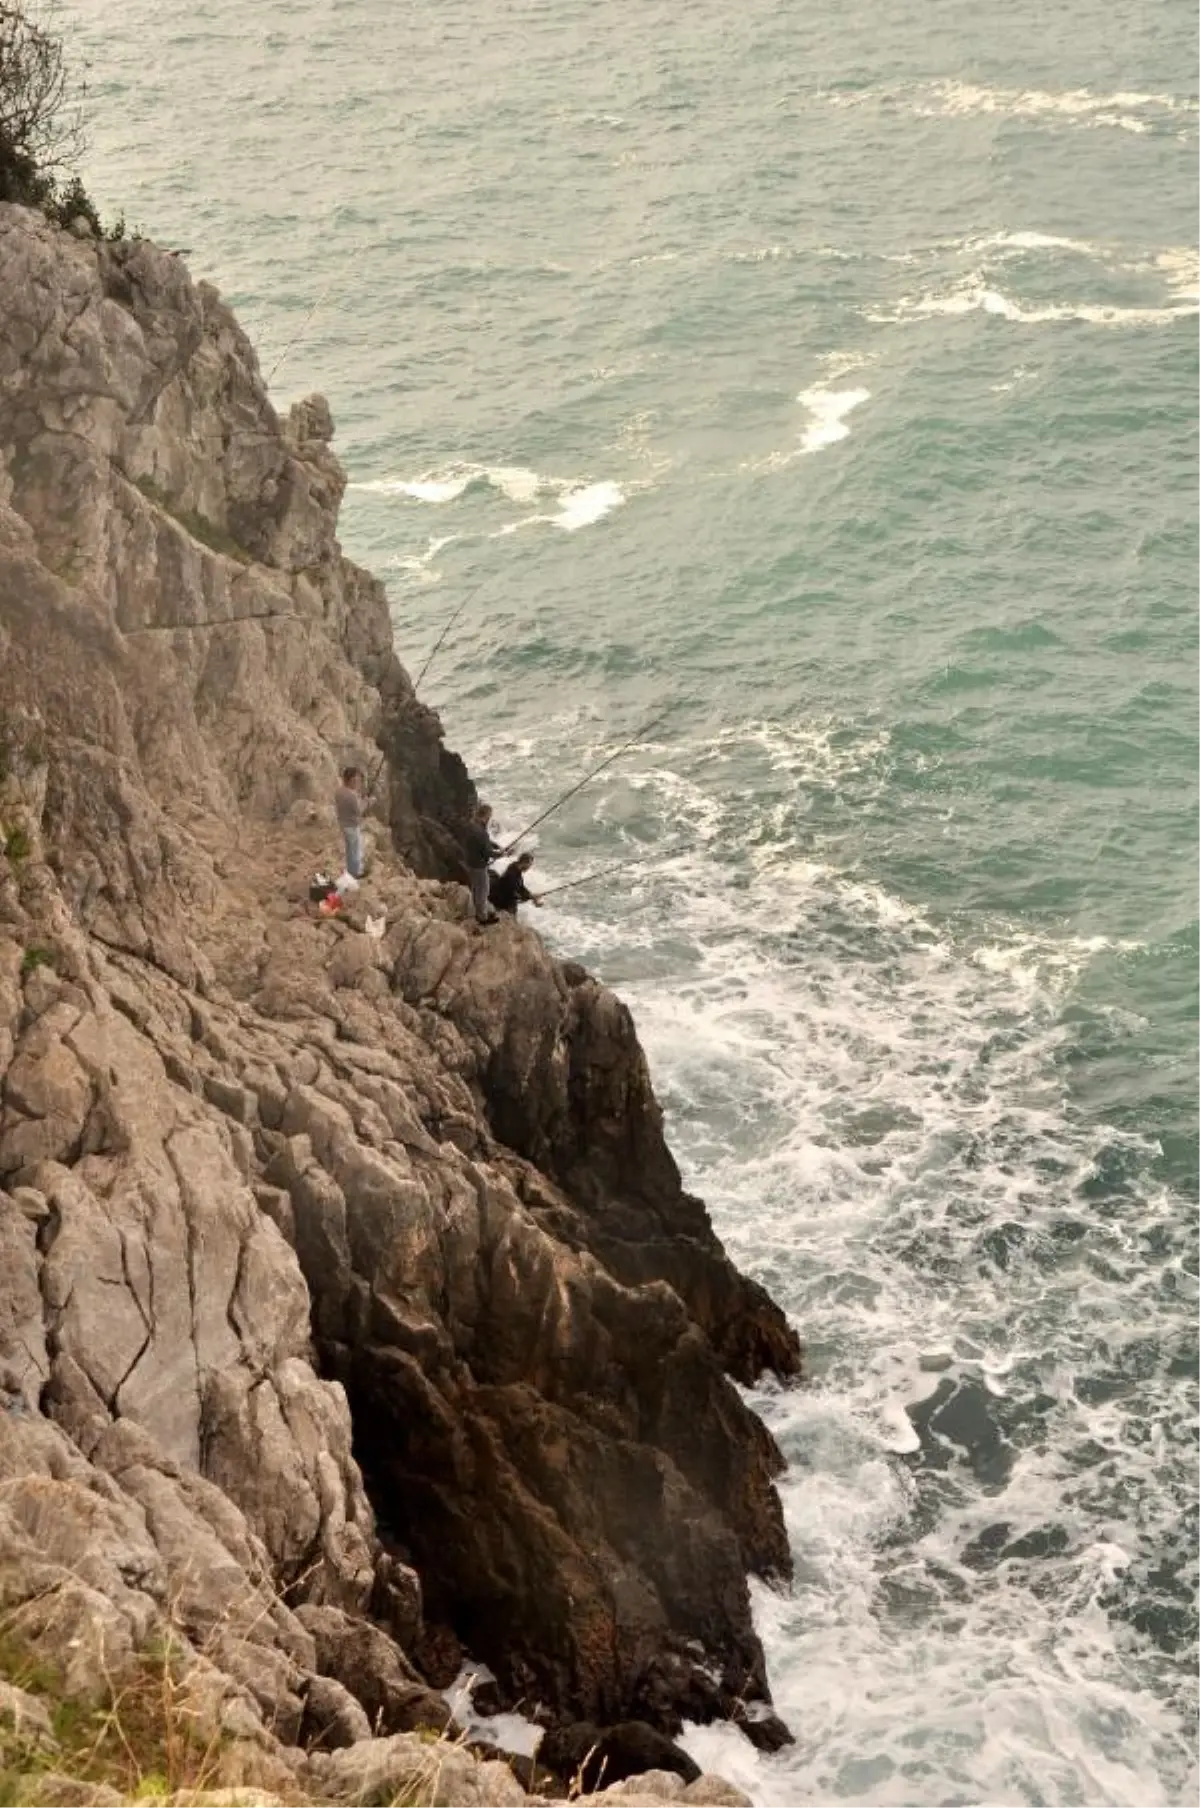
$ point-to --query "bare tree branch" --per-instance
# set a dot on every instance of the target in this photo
(41, 120)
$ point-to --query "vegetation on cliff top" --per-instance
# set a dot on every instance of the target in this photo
(42, 135)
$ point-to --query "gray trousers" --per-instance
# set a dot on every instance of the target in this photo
(478, 875)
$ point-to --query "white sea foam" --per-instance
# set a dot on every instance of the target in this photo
(448, 484)
(421, 565)
(1022, 374)
(509, 1732)
(421, 489)
(1125, 110)
(577, 503)
(1033, 241)
(975, 294)
(1180, 265)
(829, 408)
(840, 364)
(581, 507)
(518, 483)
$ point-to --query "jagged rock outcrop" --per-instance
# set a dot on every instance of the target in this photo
(284, 1205)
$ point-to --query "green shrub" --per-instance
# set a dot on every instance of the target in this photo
(120, 230)
(33, 958)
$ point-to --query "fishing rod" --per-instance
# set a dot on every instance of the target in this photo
(437, 645)
(586, 780)
(601, 872)
(614, 866)
(296, 337)
(420, 675)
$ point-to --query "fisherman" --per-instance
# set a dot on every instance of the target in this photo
(493, 829)
(508, 889)
(480, 850)
(348, 804)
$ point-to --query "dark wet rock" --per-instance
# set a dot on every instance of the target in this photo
(486, 1699)
(529, 1772)
(332, 1717)
(438, 1654)
(589, 1757)
(764, 1729)
(397, 1601)
(377, 1674)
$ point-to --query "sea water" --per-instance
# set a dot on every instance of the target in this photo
(825, 378)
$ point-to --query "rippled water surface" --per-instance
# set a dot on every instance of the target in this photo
(827, 378)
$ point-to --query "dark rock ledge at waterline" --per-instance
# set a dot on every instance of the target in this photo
(286, 1207)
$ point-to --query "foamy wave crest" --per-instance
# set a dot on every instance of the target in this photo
(1180, 267)
(1032, 241)
(578, 502)
(452, 481)
(579, 505)
(829, 408)
(421, 565)
(1126, 110)
(591, 502)
(974, 294)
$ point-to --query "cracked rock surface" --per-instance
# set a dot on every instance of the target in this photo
(351, 1308)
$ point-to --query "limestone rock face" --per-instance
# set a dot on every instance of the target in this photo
(281, 1205)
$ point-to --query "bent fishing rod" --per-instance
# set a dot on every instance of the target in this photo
(586, 780)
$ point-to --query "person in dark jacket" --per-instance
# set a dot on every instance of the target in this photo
(508, 889)
(480, 849)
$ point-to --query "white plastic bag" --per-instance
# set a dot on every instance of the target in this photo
(375, 926)
(346, 883)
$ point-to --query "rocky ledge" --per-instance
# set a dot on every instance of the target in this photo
(351, 1308)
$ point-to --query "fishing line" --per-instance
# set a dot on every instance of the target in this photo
(420, 675)
(304, 324)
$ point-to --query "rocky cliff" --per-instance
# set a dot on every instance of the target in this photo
(351, 1309)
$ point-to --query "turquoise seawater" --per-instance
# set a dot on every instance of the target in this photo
(826, 378)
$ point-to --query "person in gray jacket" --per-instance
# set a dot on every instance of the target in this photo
(348, 803)
(480, 849)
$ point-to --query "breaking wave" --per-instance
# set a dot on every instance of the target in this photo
(1125, 110)
(577, 502)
